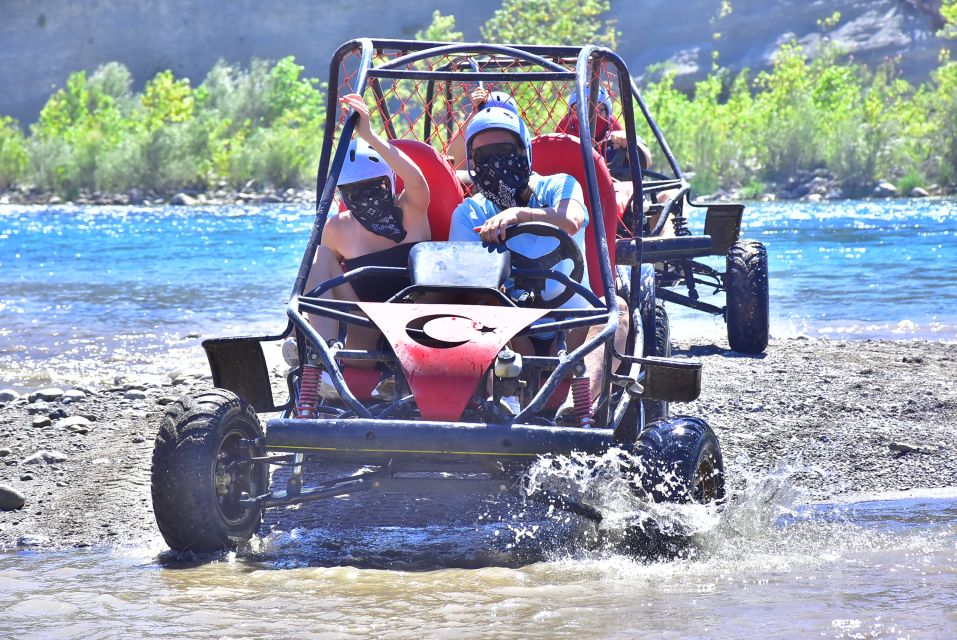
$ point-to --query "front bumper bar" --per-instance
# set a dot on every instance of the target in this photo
(369, 441)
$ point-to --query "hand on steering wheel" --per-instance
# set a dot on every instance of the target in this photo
(567, 249)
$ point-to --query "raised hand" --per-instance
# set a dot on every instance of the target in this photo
(363, 127)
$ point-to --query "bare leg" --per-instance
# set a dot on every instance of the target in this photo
(325, 267)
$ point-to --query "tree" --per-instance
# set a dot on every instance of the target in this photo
(572, 22)
(442, 29)
(948, 11)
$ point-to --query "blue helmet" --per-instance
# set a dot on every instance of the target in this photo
(497, 117)
(501, 99)
(603, 98)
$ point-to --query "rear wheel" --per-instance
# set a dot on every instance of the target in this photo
(202, 469)
(684, 462)
(746, 282)
(657, 343)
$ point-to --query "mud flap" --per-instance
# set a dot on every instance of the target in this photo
(671, 380)
(238, 364)
(723, 223)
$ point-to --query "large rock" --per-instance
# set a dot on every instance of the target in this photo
(183, 200)
(10, 498)
(49, 394)
(46, 457)
(76, 424)
(885, 189)
(8, 395)
(919, 192)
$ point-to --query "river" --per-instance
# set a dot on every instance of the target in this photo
(88, 293)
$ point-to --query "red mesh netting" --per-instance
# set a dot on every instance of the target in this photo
(437, 114)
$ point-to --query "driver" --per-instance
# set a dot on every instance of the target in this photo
(499, 155)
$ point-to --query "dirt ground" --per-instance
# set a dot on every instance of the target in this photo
(855, 415)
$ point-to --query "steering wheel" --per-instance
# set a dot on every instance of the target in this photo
(567, 249)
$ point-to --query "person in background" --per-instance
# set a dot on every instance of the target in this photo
(609, 135)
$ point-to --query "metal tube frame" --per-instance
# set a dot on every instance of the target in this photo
(588, 62)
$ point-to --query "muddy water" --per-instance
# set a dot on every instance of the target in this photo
(881, 566)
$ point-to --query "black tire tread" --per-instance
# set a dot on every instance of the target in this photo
(746, 281)
(657, 409)
(674, 446)
(183, 498)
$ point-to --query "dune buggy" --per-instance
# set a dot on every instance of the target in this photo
(445, 429)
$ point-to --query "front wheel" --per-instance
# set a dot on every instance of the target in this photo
(746, 282)
(683, 461)
(202, 470)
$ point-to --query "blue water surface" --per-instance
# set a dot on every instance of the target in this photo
(138, 287)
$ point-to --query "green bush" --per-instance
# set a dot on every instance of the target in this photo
(13, 152)
(265, 122)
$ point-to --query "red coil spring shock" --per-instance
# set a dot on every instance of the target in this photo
(581, 396)
(308, 391)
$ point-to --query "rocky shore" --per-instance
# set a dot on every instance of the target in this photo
(849, 416)
(805, 186)
(821, 185)
(221, 195)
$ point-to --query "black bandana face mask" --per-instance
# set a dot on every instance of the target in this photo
(501, 177)
(373, 206)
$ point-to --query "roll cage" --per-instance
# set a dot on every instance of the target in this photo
(443, 68)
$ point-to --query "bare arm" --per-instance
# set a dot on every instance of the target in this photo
(568, 215)
(416, 191)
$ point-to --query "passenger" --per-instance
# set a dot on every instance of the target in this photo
(379, 229)
(480, 98)
(498, 155)
(609, 135)
(612, 142)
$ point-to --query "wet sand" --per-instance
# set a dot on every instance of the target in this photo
(855, 415)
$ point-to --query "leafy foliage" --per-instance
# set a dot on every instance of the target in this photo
(551, 22)
(441, 29)
(13, 153)
(263, 123)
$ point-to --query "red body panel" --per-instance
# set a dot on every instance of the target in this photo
(468, 337)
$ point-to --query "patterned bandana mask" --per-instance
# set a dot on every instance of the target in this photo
(501, 177)
(373, 206)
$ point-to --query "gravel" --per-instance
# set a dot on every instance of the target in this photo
(843, 412)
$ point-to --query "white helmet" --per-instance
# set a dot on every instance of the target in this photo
(364, 163)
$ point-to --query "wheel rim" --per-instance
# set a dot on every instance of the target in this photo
(706, 478)
(230, 480)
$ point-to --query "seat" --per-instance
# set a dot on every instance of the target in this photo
(445, 190)
(561, 153)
